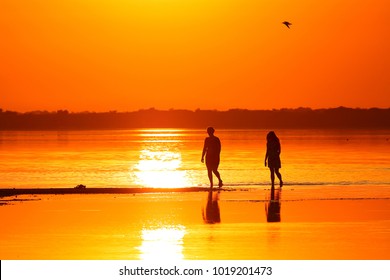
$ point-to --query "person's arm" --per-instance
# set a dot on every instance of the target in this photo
(266, 157)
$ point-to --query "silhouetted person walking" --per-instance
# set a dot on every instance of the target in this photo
(273, 157)
(212, 150)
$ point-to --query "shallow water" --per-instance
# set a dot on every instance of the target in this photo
(173, 226)
(171, 158)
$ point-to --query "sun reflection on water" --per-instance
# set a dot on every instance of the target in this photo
(162, 243)
(159, 165)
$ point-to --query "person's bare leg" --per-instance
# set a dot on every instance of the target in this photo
(220, 184)
(279, 176)
(210, 174)
(272, 176)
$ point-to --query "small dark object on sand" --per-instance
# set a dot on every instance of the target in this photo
(80, 187)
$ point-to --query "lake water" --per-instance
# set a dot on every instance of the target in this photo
(171, 158)
(335, 203)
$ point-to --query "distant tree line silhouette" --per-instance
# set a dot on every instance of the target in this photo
(340, 117)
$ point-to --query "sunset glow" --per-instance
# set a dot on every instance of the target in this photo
(160, 161)
(160, 170)
(186, 54)
(152, 130)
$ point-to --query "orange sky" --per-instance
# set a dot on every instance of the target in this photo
(125, 55)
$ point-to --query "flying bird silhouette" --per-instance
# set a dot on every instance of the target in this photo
(286, 23)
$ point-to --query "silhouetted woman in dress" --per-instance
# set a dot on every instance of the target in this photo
(273, 157)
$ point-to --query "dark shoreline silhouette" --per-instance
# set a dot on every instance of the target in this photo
(299, 118)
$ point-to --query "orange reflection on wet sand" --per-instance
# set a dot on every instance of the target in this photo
(162, 243)
(171, 226)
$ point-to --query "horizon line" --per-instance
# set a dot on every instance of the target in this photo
(192, 110)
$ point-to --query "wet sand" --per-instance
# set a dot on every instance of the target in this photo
(296, 223)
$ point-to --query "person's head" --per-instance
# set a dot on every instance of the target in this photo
(210, 130)
(271, 136)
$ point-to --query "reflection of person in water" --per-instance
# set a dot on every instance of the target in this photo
(212, 150)
(273, 157)
(211, 214)
(272, 207)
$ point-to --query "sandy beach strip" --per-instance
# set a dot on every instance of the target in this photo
(42, 191)
(293, 191)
